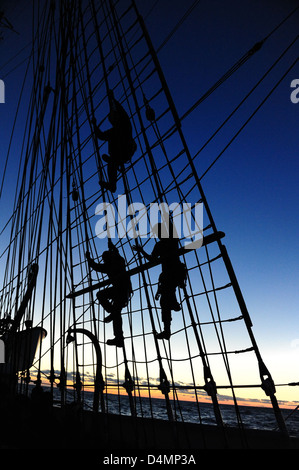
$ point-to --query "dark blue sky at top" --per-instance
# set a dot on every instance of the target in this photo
(253, 188)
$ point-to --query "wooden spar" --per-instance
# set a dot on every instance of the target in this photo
(150, 264)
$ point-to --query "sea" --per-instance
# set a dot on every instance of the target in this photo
(252, 417)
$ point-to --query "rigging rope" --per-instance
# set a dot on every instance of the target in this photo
(59, 145)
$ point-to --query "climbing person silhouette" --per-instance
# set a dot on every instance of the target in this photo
(114, 298)
(121, 145)
(173, 274)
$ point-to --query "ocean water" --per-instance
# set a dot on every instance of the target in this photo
(252, 417)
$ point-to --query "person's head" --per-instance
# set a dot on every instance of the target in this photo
(164, 230)
(106, 256)
(110, 257)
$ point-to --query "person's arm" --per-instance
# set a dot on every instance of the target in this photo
(139, 249)
(111, 246)
(102, 135)
(120, 110)
(156, 252)
(99, 267)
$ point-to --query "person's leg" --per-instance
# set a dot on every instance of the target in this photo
(120, 300)
(173, 303)
(166, 318)
(118, 339)
(118, 326)
(112, 175)
(169, 288)
(105, 299)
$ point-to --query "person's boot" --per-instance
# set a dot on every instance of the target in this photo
(164, 334)
(118, 342)
(174, 305)
(109, 318)
(111, 187)
(104, 184)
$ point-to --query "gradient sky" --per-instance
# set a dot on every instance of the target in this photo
(253, 188)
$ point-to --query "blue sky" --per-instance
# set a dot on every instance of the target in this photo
(253, 188)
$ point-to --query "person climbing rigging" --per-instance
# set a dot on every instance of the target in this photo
(121, 145)
(114, 298)
(173, 275)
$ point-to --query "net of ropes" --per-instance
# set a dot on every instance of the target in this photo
(84, 53)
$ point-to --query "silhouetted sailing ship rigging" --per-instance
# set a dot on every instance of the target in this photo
(88, 58)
